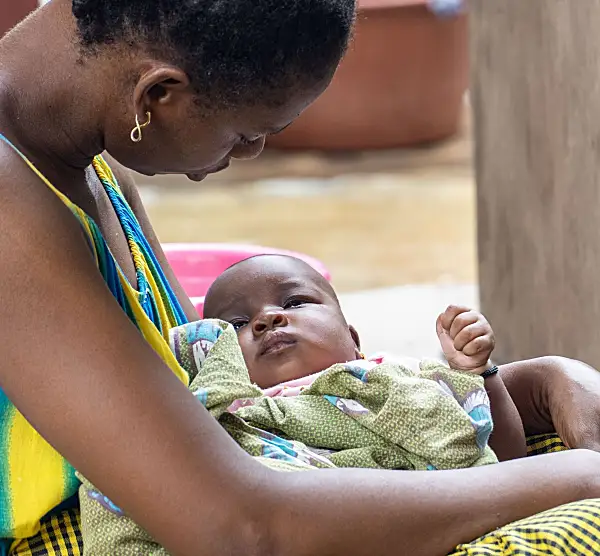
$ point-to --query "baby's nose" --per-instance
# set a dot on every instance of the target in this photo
(269, 321)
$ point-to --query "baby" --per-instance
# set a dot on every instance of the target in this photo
(290, 327)
(280, 369)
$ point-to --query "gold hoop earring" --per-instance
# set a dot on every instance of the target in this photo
(136, 132)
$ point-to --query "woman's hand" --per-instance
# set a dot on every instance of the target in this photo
(466, 338)
(555, 394)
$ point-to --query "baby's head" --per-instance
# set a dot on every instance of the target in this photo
(287, 316)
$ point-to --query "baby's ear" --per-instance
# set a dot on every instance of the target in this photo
(355, 336)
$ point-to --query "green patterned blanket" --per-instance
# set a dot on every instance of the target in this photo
(357, 414)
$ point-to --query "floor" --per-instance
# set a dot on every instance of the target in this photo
(396, 228)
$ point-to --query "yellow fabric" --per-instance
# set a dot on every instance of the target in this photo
(570, 530)
(59, 535)
(151, 333)
(41, 465)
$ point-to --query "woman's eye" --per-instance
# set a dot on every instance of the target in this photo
(238, 324)
(247, 140)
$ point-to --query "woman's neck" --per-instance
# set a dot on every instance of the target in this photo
(51, 102)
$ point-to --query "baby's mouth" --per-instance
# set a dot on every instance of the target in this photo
(276, 342)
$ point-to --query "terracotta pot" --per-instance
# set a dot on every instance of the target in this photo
(13, 11)
(401, 83)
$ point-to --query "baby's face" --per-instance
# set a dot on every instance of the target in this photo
(288, 321)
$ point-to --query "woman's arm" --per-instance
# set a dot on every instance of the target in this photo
(315, 512)
(82, 374)
(526, 384)
(557, 394)
(426, 513)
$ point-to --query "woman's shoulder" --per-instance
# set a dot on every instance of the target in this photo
(32, 216)
(23, 191)
(14, 171)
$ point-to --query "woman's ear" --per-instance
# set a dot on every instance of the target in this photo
(160, 84)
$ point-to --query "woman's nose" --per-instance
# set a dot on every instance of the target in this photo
(250, 150)
(269, 321)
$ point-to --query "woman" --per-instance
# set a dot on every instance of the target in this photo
(86, 296)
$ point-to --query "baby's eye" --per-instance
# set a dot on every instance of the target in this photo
(294, 302)
(238, 324)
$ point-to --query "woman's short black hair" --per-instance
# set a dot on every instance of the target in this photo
(234, 51)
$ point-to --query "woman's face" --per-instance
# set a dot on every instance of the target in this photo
(182, 140)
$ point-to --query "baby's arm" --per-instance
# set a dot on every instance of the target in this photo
(467, 340)
(508, 436)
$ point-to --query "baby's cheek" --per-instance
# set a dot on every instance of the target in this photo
(248, 350)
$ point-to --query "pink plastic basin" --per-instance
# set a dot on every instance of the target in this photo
(197, 265)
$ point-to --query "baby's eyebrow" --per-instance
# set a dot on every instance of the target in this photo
(228, 311)
(304, 288)
(294, 283)
(226, 304)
